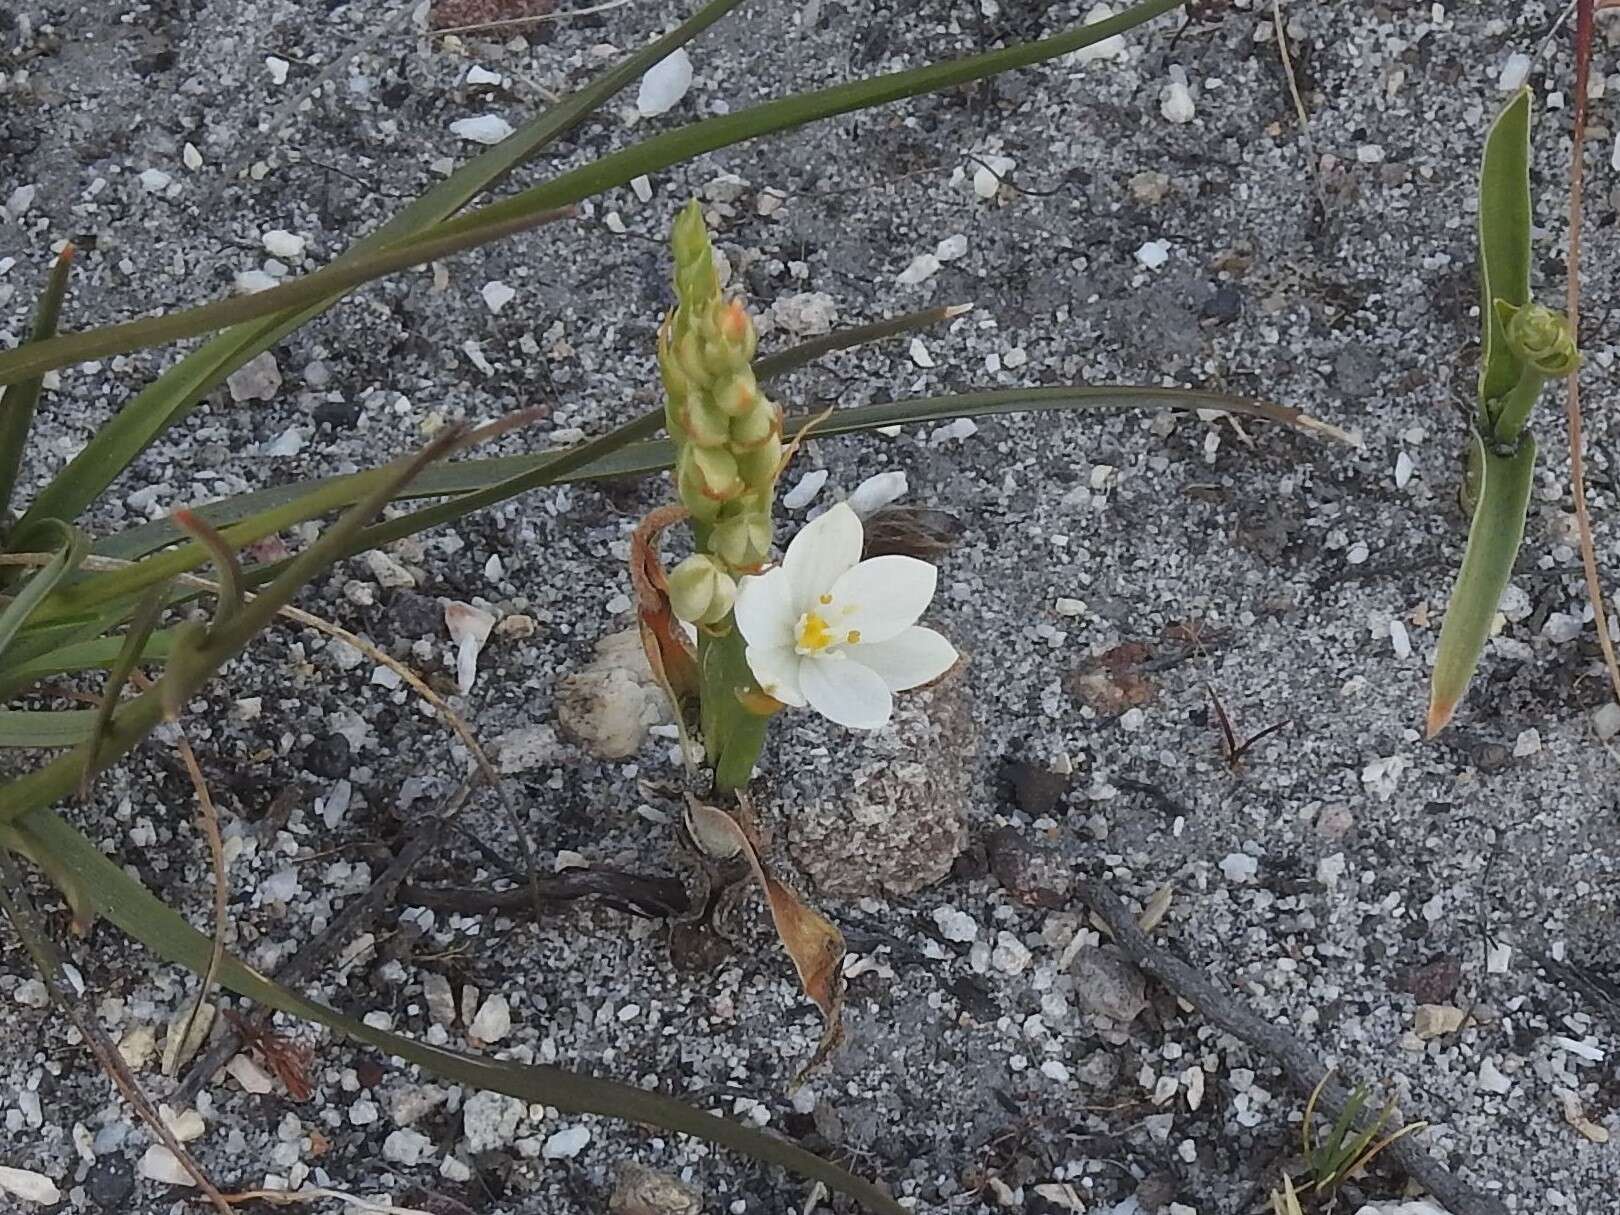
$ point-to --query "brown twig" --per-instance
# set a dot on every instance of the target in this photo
(1298, 1062)
(19, 909)
(1572, 399)
(354, 916)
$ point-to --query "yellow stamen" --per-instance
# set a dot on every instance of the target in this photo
(814, 635)
(826, 600)
(853, 637)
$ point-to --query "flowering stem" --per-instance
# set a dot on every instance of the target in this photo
(733, 734)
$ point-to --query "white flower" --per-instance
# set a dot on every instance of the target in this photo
(840, 634)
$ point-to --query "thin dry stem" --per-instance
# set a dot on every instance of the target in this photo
(1572, 399)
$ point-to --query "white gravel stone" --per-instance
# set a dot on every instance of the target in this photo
(1010, 955)
(497, 295)
(364, 1112)
(493, 1022)
(804, 493)
(258, 379)
(1403, 470)
(1492, 1080)
(1239, 867)
(407, 1147)
(566, 1143)
(155, 181)
(955, 925)
(1515, 71)
(160, 1165)
(1528, 743)
(1176, 103)
(31, 993)
(488, 129)
(1561, 628)
(288, 246)
(277, 67)
(922, 268)
(253, 1078)
(1606, 721)
(20, 200)
(1401, 639)
(490, 1120)
(807, 314)
(1154, 253)
(478, 74)
(1109, 48)
(665, 83)
(877, 491)
(919, 354)
(951, 248)
(29, 1186)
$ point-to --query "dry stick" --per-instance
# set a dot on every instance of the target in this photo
(209, 816)
(20, 910)
(1572, 399)
(354, 916)
(1281, 28)
(1299, 1063)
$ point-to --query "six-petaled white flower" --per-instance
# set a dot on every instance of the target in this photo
(840, 634)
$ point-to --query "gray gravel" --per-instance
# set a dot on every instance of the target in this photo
(1345, 874)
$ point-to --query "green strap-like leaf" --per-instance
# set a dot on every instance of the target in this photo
(70, 550)
(1493, 543)
(128, 904)
(19, 401)
(42, 728)
(173, 394)
(1504, 242)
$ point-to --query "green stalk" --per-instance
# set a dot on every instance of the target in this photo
(734, 733)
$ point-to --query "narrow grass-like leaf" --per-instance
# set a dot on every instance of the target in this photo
(126, 903)
(1504, 242)
(97, 654)
(173, 394)
(773, 365)
(70, 550)
(224, 557)
(1493, 543)
(337, 279)
(130, 652)
(45, 728)
(18, 402)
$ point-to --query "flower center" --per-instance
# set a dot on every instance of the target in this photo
(815, 634)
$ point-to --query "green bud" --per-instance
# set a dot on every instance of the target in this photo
(743, 540)
(758, 466)
(701, 591)
(754, 428)
(713, 472)
(1540, 337)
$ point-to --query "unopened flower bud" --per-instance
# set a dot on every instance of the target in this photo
(743, 540)
(700, 591)
(1541, 337)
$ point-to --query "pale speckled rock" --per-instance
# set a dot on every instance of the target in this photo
(899, 820)
(611, 704)
(641, 1191)
(1106, 984)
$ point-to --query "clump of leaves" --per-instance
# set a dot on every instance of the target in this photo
(1349, 1145)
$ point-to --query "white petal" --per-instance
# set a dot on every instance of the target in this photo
(881, 598)
(825, 548)
(765, 610)
(777, 669)
(846, 692)
(917, 656)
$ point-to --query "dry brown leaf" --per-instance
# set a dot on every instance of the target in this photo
(811, 940)
(288, 1060)
(669, 650)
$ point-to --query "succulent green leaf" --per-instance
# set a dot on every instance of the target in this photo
(1504, 242)
(20, 399)
(1493, 544)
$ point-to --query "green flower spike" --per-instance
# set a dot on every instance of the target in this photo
(701, 591)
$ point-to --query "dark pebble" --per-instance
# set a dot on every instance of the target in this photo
(1434, 982)
(1031, 874)
(339, 415)
(110, 1182)
(1036, 789)
(415, 615)
(1225, 304)
(328, 757)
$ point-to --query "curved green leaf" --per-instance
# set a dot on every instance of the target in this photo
(128, 904)
(18, 402)
(1504, 242)
(70, 551)
(45, 728)
(1493, 544)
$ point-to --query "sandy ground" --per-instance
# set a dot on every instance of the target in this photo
(1344, 874)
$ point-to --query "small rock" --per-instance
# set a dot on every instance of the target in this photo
(253, 1078)
(1176, 103)
(441, 1002)
(987, 178)
(566, 1143)
(469, 627)
(160, 1165)
(488, 129)
(1224, 305)
(1153, 253)
(611, 704)
(190, 157)
(1434, 982)
(155, 181)
(137, 1046)
(1515, 71)
(527, 748)
(1033, 875)
(412, 615)
(876, 492)
(1492, 1080)
(641, 1191)
(1010, 956)
(807, 314)
(1528, 743)
(1561, 628)
(278, 68)
(1606, 721)
(1436, 1020)
(1036, 788)
(493, 1022)
(955, 924)
(1108, 985)
(110, 1182)
(1149, 186)
(665, 83)
(1238, 867)
(176, 1054)
(280, 243)
(407, 1147)
(1112, 47)
(497, 295)
(31, 993)
(29, 1186)
(951, 248)
(258, 379)
(923, 267)
(329, 757)
(1099, 1070)
(804, 493)
(490, 1120)
(20, 200)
